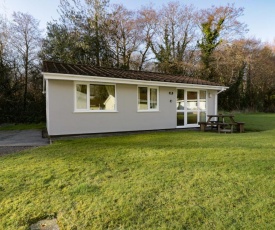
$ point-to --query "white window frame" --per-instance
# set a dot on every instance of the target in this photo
(88, 100)
(148, 98)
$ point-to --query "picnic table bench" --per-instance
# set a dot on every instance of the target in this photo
(219, 122)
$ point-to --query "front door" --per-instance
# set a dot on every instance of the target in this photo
(191, 107)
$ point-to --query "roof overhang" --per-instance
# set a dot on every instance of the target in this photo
(70, 77)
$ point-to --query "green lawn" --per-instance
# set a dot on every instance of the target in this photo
(22, 126)
(161, 180)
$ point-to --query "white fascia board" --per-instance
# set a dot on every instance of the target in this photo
(70, 77)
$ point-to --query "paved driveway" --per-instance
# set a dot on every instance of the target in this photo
(22, 138)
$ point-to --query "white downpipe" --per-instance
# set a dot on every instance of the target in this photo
(216, 99)
(216, 104)
(47, 107)
(44, 86)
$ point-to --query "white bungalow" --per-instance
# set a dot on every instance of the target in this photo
(83, 99)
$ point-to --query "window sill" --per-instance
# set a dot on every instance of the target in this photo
(96, 111)
(148, 111)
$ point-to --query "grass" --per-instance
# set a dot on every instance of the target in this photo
(22, 126)
(161, 180)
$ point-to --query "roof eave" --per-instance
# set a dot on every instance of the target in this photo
(72, 77)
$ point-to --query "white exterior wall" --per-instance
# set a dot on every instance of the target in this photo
(62, 119)
(212, 101)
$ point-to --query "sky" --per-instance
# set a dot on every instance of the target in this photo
(258, 14)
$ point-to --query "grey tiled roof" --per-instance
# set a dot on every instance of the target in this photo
(90, 70)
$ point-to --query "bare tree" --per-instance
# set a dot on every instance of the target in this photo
(147, 22)
(123, 35)
(26, 41)
(174, 42)
(3, 37)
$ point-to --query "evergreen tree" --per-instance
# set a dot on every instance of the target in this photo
(210, 40)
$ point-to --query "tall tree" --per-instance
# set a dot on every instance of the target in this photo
(97, 14)
(123, 35)
(175, 37)
(26, 41)
(21, 97)
(147, 22)
(3, 37)
(247, 67)
(79, 35)
(211, 39)
(217, 25)
(62, 44)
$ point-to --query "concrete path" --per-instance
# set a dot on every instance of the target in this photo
(22, 138)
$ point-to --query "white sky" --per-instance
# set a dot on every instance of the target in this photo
(258, 15)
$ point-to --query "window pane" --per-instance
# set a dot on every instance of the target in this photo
(203, 100)
(202, 105)
(180, 119)
(192, 95)
(180, 99)
(81, 96)
(102, 97)
(153, 98)
(202, 116)
(192, 100)
(202, 94)
(142, 98)
(192, 118)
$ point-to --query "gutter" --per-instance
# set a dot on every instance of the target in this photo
(223, 89)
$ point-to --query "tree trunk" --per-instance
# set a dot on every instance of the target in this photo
(97, 42)
(26, 66)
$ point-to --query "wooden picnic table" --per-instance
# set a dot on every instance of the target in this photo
(223, 122)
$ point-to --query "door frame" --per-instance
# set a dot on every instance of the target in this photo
(185, 110)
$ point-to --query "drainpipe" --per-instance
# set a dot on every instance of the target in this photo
(216, 99)
(44, 86)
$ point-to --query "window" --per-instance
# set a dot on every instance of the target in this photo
(147, 98)
(101, 97)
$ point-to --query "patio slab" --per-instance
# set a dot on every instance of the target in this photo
(22, 138)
